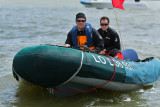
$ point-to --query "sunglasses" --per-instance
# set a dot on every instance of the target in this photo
(104, 24)
(81, 20)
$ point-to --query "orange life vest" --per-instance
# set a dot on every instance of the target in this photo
(86, 39)
(82, 40)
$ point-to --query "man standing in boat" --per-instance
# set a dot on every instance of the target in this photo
(84, 34)
(111, 39)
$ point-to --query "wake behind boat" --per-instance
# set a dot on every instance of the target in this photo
(74, 70)
(128, 4)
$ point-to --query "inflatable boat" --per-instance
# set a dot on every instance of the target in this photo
(71, 70)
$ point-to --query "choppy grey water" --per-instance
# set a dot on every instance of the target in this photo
(29, 23)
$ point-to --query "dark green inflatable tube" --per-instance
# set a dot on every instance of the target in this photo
(50, 66)
(46, 65)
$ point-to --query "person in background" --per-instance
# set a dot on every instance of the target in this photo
(84, 34)
(111, 39)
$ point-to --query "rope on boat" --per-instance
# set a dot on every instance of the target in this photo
(91, 88)
(15, 75)
(76, 71)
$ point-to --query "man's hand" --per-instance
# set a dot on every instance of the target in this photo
(103, 52)
(67, 45)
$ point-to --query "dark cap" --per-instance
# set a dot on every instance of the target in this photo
(80, 15)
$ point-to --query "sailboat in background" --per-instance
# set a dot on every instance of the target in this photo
(128, 4)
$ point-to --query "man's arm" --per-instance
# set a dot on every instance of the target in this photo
(98, 41)
(116, 41)
(68, 42)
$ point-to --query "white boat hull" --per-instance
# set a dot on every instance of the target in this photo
(112, 85)
(100, 4)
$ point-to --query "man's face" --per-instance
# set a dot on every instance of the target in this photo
(80, 23)
(104, 24)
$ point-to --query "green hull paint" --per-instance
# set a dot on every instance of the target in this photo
(51, 66)
(46, 65)
(101, 67)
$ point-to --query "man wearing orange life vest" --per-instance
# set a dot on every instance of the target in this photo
(84, 34)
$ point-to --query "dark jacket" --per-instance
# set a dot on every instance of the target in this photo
(97, 39)
(110, 38)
